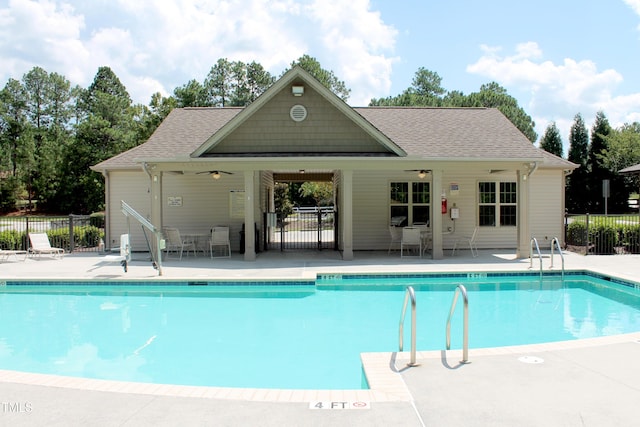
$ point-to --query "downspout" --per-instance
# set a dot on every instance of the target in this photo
(533, 169)
(107, 215)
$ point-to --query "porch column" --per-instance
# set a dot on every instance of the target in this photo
(436, 214)
(524, 231)
(249, 218)
(346, 214)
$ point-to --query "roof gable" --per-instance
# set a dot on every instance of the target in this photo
(266, 127)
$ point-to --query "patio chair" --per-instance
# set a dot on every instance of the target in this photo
(396, 237)
(176, 243)
(469, 239)
(5, 254)
(425, 235)
(220, 238)
(410, 239)
(40, 246)
(125, 253)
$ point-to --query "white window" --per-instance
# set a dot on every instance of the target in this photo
(409, 202)
(497, 204)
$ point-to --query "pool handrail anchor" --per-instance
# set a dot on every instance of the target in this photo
(460, 289)
(555, 243)
(409, 293)
(531, 245)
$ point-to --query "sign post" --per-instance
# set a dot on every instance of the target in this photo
(605, 193)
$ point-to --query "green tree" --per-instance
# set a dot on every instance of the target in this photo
(16, 142)
(283, 205)
(551, 141)
(192, 94)
(326, 77)
(623, 150)
(219, 83)
(597, 171)
(108, 128)
(577, 189)
(320, 192)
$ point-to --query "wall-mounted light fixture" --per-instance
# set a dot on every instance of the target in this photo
(215, 175)
(301, 171)
(297, 90)
(422, 174)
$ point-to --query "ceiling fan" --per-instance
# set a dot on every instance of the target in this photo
(421, 172)
(215, 174)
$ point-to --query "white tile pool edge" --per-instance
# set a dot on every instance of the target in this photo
(386, 383)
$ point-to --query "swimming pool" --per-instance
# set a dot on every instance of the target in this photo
(287, 334)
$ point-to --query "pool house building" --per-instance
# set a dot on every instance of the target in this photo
(457, 170)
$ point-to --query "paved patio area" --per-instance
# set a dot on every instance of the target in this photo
(588, 382)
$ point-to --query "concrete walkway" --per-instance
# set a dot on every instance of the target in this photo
(589, 382)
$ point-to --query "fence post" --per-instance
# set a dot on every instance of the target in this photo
(319, 228)
(586, 252)
(71, 237)
(26, 234)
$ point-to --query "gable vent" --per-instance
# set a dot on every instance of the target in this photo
(298, 113)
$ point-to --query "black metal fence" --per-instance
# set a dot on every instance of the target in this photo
(73, 233)
(603, 234)
(306, 228)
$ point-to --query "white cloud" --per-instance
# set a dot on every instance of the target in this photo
(634, 4)
(558, 91)
(155, 46)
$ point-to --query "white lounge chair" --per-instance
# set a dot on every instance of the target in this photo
(5, 254)
(40, 246)
(125, 253)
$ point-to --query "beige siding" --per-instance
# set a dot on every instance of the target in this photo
(133, 188)
(205, 203)
(546, 208)
(371, 208)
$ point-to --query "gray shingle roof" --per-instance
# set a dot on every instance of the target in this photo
(429, 133)
(476, 133)
(180, 134)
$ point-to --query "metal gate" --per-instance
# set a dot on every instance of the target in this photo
(305, 228)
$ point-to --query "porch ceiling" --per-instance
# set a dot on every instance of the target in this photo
(303, 177)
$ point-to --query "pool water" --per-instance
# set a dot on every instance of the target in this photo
(288, 336)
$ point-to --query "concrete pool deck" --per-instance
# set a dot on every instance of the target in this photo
(586, 382)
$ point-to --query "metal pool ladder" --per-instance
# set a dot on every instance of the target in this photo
(555, 243)
(460, 289)
(409, 293)
(535, 241)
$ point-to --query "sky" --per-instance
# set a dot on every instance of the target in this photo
(557, 58)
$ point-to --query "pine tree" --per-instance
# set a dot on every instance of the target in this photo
(597, 171)
(551, 141)
(577, 190)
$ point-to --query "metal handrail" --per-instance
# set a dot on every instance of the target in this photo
(409, 293)
(534, 240)
(557, 244)
(460, 289)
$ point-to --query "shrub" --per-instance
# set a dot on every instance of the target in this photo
(97, 219)
(630, 238)
(604, 238)
(577, 233)
(87, 236)
(11, 239)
